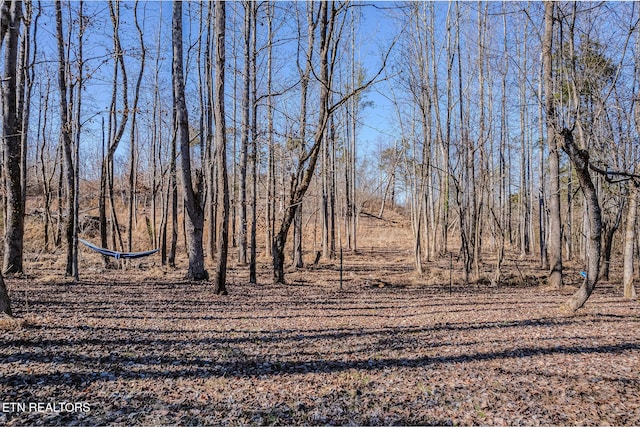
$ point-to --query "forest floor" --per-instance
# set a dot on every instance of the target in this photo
(146, 347)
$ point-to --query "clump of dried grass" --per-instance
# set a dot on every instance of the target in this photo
(9, 323)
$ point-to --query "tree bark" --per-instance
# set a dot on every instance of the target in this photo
(132, 139)
(254, 147)
(46, 180)
(12, 130)
(580, 160)
(298, 259)
(65, 130)
(5, 301)
(116, 131)
(609, 233)
(271, 166)
(302, 178)
(11, 25)
(78, 131)
(193, 197)
(210, 157)
(221, 153)
(172, 198)
(554, 243)
(629, 240)
(244, 142)
(160, 233)
(28, 55)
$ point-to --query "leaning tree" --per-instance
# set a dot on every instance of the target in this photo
(573, 136)
(329, 15)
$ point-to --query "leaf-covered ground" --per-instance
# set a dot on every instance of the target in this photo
(383, 350)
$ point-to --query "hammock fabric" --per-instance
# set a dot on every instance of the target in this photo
(116, 254)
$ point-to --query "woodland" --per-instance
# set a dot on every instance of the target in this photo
(334, 212)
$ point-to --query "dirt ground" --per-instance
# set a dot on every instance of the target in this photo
(144, 346)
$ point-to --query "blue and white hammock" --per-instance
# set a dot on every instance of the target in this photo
(116, 254)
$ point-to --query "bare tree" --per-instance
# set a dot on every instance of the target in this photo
(302, 177)
(254, 145)
(10, 17)
(221, 153)
(271, 164)
(303, 173)
(65, 131)
(209, 129)
(28, 46)
(193, 197)
(12, 135)
(134, 123)
(305, 74)
(77, 129)
(580, 160)
(172, 200)
(45, 176)
(244, 142)
(580, 82)
(160, 234)
(554, 243)
(629, 239)
(115, 133)
(633, 194)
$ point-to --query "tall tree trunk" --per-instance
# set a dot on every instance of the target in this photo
(297, 222)
(78, 132)
(542, 217)
(193, 197)
(46, 180)
(445, 180)
(65, 130)
(28, 78)
(629, 240)
(298, 259)
(132, 139)
(102, 197)
(525, 193)
(244, 142)
(502, 166)
(115, 133)
(467, 189)
(301, 180)
(271, 166)
(352, 201)
(60, 195)
(172, 198)
(254, 147)
(155, 150)
(483, 136)
(554, 244)
(233, 206)
(10, 17)
(332, 188)
(221, 153)
(12, 130)
(210, 157)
